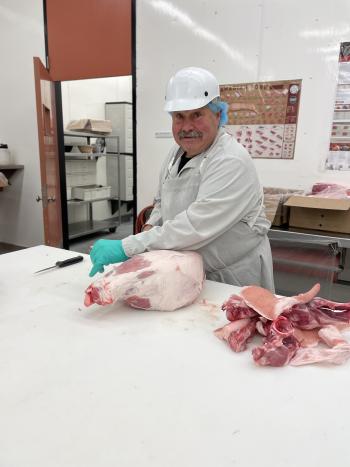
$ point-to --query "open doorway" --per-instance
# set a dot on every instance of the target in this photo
(98, 164)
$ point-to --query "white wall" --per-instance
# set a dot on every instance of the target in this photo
(238, 40)
(21, 38)
(86, 98)
(242, 41)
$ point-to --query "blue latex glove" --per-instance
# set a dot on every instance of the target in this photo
(106, 252)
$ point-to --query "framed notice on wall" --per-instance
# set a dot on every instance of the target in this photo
(263, 116)
(338, 157)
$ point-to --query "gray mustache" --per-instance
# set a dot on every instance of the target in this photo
(189, 134)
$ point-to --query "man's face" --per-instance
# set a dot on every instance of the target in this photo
(195, 130)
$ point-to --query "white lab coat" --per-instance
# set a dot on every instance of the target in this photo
(215, 207)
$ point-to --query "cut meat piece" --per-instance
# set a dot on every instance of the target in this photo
(317, 313)
(279, 346)
(292, 326)
(237, 333)
(236, 308)
(330, 190)
(263, 326)
(337, 354)
(307, 338)
(157, 280)
(268, 305)
(331, 336)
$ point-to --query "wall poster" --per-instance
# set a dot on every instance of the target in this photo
(339, 147)
(263, 116)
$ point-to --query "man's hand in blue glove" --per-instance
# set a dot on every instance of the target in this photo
(106, 252)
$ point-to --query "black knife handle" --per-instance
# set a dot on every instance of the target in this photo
(69, 261)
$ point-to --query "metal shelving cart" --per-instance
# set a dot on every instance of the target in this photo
(81, 228)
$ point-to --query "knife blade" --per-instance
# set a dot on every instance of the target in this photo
(63, 264)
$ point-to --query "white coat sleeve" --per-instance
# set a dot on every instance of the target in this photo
(229, 192)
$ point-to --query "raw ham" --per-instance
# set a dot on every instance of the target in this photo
(292, 327)
(157, 280)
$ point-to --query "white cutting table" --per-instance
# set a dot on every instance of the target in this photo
(114, 386)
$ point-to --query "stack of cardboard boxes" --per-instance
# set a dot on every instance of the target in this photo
(276, 210)
(287, 207)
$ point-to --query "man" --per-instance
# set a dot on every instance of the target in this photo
(209, 197)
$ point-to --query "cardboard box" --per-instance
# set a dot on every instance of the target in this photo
(274, 201)
(311, 212)
(272, 205)
(91, 126)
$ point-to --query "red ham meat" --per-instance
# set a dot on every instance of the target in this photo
(157, 280)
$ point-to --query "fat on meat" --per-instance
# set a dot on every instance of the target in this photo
(307, 338)
(157, 280)
(266, 304)
(338, 353)
(292, 327)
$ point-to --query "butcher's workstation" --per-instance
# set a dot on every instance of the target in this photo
(107, 386)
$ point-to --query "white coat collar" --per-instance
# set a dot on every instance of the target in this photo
(196, 160)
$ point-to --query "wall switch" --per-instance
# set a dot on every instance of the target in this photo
(163, 134)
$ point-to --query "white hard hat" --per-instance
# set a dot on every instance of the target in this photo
(191, 88)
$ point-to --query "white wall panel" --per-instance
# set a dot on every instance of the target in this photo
(221, 36)
(86, 98)
(21, 38)
(303, 42)
(242, 41)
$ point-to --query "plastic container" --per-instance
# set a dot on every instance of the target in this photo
(5, 155)
(91, 192)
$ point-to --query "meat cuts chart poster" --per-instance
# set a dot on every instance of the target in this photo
(339, 148)
(263, 116)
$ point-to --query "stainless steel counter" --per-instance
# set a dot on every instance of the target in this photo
(305, 253)
(309, 236)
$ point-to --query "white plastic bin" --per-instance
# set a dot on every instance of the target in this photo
(91, 192)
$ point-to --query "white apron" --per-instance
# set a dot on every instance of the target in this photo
(195, 211)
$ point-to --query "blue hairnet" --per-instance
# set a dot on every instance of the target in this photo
(219, 106)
